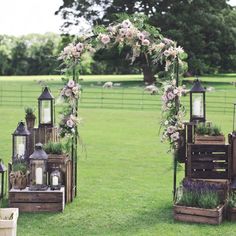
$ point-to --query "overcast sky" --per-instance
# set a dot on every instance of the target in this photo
(18, 17)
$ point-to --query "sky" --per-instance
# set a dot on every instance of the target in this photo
(19, 17)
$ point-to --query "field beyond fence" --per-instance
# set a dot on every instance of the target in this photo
(116, 98)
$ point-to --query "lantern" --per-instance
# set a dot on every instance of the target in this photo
(55, 178)
(20, 143)
(46, 108)
(3, 171)
(197, 102)
(38, 168)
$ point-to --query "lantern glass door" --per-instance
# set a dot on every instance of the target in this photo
(20, 147)
(197, 105)
(45, 114)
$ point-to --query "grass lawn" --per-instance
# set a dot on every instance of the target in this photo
(125, 174)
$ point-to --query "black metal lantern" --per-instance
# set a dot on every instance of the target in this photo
(38, 169)
(55, 179)
(46, 108)
(3, 171)
(197, 102)
(20, 141)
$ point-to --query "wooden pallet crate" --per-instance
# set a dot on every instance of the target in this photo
(209, 161)
(37, 201)
(205, 139)
(199, 215)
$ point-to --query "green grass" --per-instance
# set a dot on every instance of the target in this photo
(125, 174)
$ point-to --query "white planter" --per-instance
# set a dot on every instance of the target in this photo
(8, 227)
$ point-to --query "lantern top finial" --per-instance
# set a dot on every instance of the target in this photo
(21, 130)
(197, 87)
(39, 153)
(46, 94)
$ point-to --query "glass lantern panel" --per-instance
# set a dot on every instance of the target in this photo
(19, 146)
(38, 172)
(45, 108)
(197, 106)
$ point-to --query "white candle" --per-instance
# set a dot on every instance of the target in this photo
(21, 149)
(47, 115)
(54, 180)
(39, 175)
(197, 107)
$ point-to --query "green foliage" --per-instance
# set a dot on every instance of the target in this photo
(208, 200)
(19, 166)
(54, 148)
(232, 200)
(29, 110)
(208, 129)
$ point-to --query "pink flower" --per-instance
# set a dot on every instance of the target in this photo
(126, 23)
(166, 53)
(164, 98)
(70, 123)
(79, 47)
(71, 83)
(105, 39)
(175, 136)
(129, 34)
(170, 96)
(176, 91)
(145, 42)
(170, 129)
(140, 36)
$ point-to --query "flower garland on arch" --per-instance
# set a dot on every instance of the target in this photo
(148, 42)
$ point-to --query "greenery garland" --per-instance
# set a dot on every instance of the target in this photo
(143, 39)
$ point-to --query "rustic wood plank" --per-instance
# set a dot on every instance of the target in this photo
(208, 148)
(35, 197)
(209, 165)
(209, 157)
(209, 174)
(198, 219)
(37, 207)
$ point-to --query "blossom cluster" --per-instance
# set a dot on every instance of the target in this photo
(173, 114)
(74, 51)
(67, 124)
(71, 90)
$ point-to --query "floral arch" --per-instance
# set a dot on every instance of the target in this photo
(141, 39)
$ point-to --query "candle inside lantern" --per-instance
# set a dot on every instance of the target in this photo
(39, 175)
(47, 115)
(197, 107)
(21, 149)
(54, 180)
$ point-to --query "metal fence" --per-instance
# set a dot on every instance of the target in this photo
(116, 98)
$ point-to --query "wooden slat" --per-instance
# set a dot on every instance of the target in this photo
(35, 197)
(210, 174)
(37, 207)
(209, 157)
(208, 148)
(209, 165)
(198, 219)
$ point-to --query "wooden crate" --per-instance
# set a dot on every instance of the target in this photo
(204, 139)
(65, 165)
(208, 161)
(199, 215)
(37, 201)
(231, 214)
(232, 142)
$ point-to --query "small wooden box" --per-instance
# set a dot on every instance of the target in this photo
(37, 201)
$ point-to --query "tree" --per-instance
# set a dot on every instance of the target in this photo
(205, 28)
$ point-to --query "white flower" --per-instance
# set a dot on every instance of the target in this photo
(176, 91)
(126, 23)
(70, 123)
(145, 42)
(166, 53)
(79, 47)
(160, 46)
(75, 90)
(105, 39)
(179, 50)
(71, 83)
(166, 122)
(68, 92)
(122, 32)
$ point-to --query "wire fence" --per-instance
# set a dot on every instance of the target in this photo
(116, 98)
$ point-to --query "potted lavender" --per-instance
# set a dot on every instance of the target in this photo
(200, 201)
